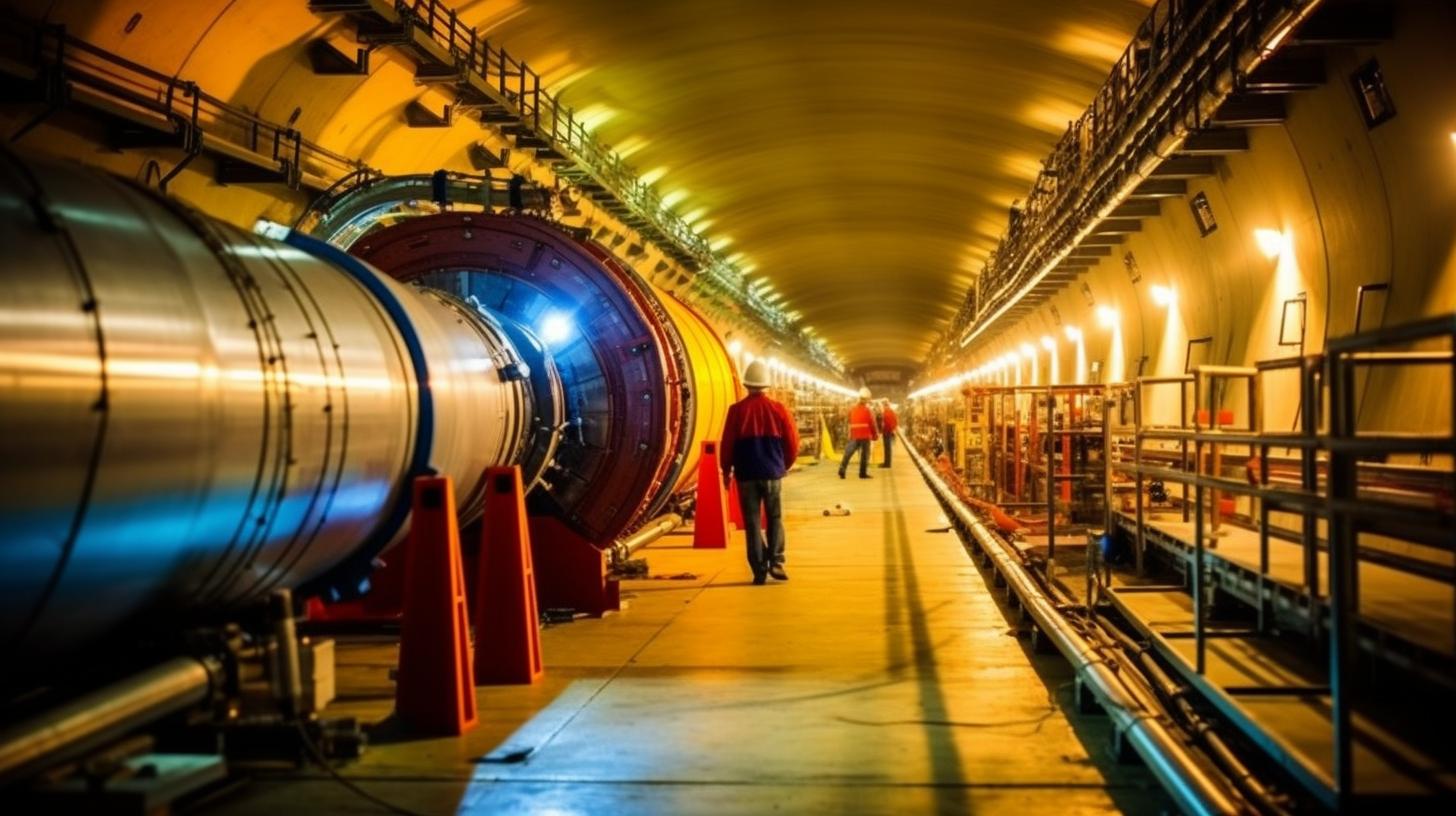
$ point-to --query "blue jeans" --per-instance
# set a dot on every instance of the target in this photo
(751, 494)
(889, 448)
(861, 445)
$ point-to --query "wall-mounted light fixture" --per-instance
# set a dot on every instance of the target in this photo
(1106, 317)
(1271, 242)
(1163, 296)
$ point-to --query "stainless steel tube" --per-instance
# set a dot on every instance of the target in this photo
(103, 714)
(1186, 780)
(623, 548)
(195, 415)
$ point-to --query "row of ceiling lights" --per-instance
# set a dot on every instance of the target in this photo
(1272, 243)
(1002, 367)
(785, 372)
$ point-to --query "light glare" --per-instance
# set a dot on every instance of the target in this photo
(555, 328)
(1106, 317)
(1272, 243)
(1163, 296)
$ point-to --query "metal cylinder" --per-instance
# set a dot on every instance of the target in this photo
(195, 415)
(645, 379)
(104, 714)
(711, 385)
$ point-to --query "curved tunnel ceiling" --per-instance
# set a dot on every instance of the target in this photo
(861, 156)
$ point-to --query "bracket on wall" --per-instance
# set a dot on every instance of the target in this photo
(1205, 342)
(419, 116)
(1360, 293)
(327, 60)
(1294, 311)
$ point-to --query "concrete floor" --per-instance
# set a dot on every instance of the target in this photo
(882, 678)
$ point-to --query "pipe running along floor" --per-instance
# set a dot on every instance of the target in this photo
(882, 677)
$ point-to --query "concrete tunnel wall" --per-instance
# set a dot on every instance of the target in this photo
(255, 56)
(1354, 205)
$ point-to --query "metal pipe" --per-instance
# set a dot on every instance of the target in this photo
(624, 547)
(104, 714)
(1180, 773)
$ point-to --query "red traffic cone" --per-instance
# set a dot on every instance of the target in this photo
(710, 521)
(507, 633)
(435, 690)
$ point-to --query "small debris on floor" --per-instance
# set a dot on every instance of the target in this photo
(679, 576)
(631, 568)
(560, 615)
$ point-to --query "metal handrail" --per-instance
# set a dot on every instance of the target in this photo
(521, 92)
(1184, 50)
(197, 117)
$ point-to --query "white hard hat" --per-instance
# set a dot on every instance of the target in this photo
(756, 375)
(864, 393)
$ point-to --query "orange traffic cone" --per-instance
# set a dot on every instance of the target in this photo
(735, 509)
(735, 505)
(507, 634)
(710, 521)
(435, 691)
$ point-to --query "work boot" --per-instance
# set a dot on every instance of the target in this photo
(777, 571)
(759, 578)
(865, 476)
(841, 474)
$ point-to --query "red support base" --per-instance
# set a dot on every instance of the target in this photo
(435, 690)
(384, 603)
(710, 516)
(507, 624)
(570, 572)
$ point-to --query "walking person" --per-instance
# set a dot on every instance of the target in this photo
(759, 445)
(861, 433)
(888, 423)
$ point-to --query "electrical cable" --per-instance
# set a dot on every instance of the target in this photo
(317, 755)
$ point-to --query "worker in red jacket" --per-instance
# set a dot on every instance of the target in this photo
(888, 423)
(862, 432)
(759, 445)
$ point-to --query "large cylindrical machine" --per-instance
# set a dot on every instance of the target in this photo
(195, 415)
(646, 379)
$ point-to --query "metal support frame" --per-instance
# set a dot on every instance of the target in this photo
(1346, 504)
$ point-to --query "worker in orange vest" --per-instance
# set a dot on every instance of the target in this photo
(862, 432)
(888, 423)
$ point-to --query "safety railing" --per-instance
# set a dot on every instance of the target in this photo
(199, 122)
(519, 90)
(1336, 480)
(1352, 510)
(1158, 85)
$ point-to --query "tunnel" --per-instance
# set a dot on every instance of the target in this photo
(575, 406)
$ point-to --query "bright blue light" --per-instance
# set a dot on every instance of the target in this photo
(556, 328)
